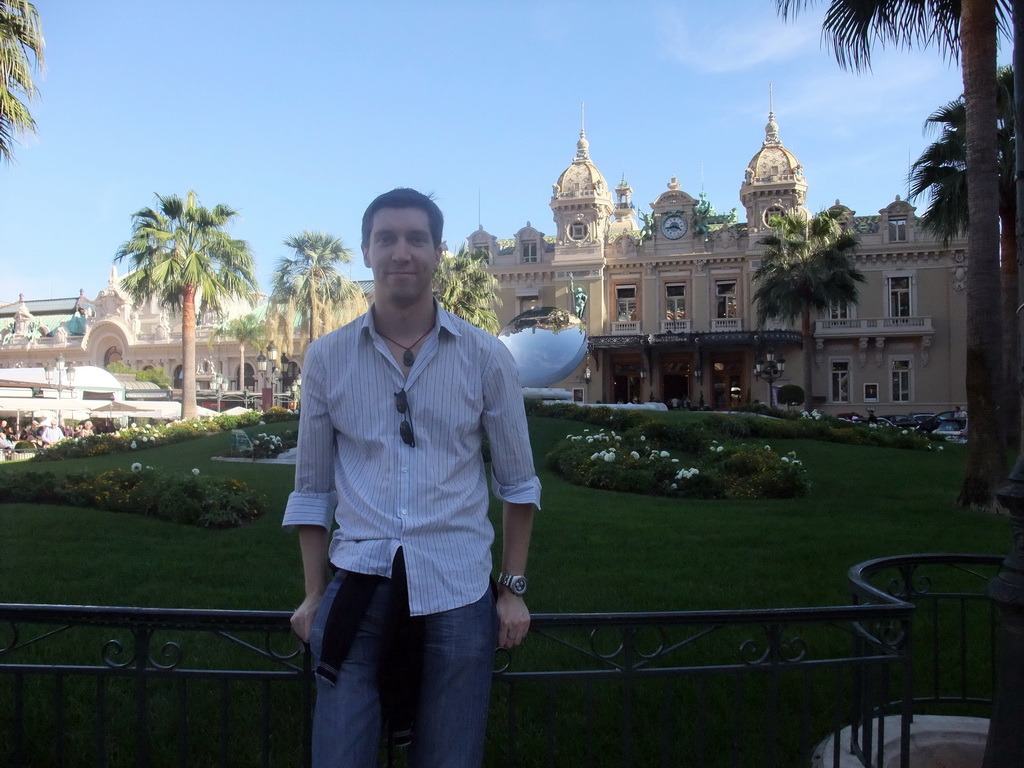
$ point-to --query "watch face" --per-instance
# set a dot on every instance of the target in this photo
(518, 585)
(673, 226)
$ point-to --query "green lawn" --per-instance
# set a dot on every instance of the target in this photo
(592, 550)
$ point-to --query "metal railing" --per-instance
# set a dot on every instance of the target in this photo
(101, 686)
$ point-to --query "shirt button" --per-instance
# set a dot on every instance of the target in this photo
(403, 511)
(405, 469)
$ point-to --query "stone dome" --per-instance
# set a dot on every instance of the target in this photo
(773, 162)
(582, 179)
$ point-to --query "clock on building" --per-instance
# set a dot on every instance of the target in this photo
(673, 226)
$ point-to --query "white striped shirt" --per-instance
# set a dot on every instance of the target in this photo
(430, 499)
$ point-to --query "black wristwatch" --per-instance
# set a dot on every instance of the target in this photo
(516, 584)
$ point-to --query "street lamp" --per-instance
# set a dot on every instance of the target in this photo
(261, 367)
(296, 389)
(220, 386)
(771, 370)
(60, 386)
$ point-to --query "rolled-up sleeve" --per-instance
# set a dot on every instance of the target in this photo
(513, 476)
(314, 499)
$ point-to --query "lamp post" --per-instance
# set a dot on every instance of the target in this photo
(261, 367)
(771, 370)
(296, 390)
(271, 361)
(587, 375)
(60, 386)
(220, 386)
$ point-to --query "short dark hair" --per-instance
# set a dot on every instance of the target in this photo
(403, 197)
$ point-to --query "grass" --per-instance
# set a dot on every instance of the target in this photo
(593, 551)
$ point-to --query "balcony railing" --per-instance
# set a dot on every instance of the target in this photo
(676, 326)
(874, 326)
(85, 686)
(727, 324)
(624, 327)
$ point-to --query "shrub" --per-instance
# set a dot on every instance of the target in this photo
(790, 394)
(635, 462)
(189, 498)
(141, 437)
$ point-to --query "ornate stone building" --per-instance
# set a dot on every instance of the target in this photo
(668, 305)
(111, 327)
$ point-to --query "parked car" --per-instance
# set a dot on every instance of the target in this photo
(901, 420)
(953, 430)
(929, 425)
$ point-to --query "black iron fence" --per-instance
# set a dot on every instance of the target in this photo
(100, 686)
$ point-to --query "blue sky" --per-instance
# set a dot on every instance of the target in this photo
(299, 113)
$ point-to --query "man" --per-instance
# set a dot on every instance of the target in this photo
(394, 409)
(50, 434)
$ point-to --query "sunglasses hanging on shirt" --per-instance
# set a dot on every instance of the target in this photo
(405, 428)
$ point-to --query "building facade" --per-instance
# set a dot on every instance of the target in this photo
(668, 303)
(112, 328)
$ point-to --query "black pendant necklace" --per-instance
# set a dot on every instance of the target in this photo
(408, 358)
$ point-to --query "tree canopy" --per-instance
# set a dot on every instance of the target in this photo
(21, 52)
(179, 252)
(807, 265)
(465, 288)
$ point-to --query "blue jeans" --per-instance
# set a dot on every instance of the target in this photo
(458, 661)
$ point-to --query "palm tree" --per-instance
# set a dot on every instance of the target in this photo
(249, 331)
(21, 43)
(941, 171)
(179, 252)
(465, 288)
(309, 289)
(965, 29)
(807, 266)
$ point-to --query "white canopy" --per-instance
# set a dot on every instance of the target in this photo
(87, 377)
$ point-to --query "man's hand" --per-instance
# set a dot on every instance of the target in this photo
(302, 618)
(513, 619)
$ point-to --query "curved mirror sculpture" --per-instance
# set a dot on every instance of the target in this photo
(547, 344)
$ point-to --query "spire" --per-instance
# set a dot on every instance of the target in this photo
(771, 131)
(582, 146)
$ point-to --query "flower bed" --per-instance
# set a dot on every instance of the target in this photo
(188, 498)
(140, 437)
(633, 463)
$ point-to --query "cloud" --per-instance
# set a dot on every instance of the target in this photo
(732, 37)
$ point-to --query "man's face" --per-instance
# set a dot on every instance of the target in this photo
(402, 255)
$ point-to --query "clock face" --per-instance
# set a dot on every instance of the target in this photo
(673, 226)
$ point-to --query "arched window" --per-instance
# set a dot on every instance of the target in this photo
(112, 355)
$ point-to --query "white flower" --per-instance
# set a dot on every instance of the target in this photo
(940, 447)
(664, 454)
(134, 445)
(634, 454)
(195, 471)
(134, 425)
(675, 461)
(786, 459)
(610, 456)
(136, 467)
(145, 439)
(618, 439)
(595, 456)
(903, 432)
(675, 487)
(767, 447)
(643, 439)
(719, 449)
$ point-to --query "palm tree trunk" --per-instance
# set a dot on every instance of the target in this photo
(808, 342)
(188, 353)
(986, 460)
(241, 365)
(1009, 400)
